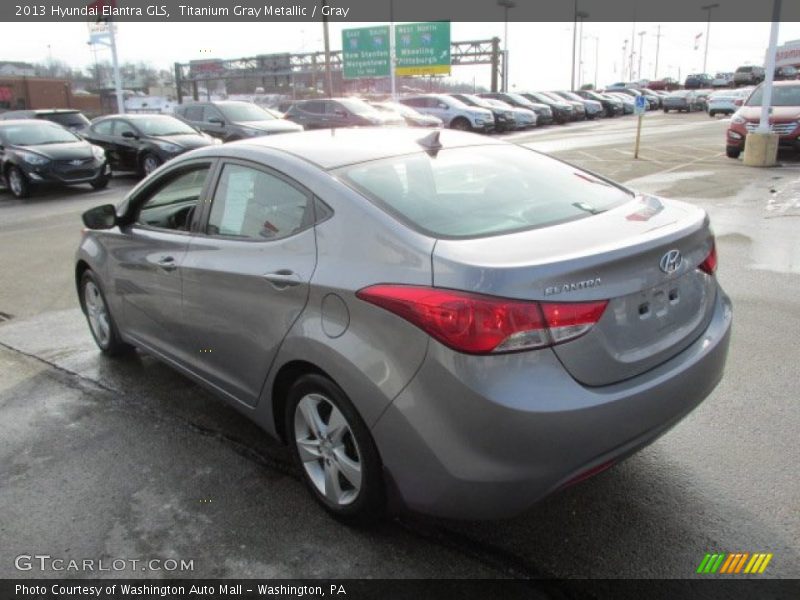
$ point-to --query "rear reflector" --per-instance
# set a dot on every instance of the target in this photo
(478, 324)
(709, 265)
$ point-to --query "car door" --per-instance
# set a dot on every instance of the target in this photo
(147, 257)
(102, 134)
(193, 114)
(126, 140)
(337, 115)
(246, 276)
(213, 122)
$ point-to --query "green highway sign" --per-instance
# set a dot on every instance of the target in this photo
(365, 52)
(422, 48)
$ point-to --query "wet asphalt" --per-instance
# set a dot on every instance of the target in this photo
(106, 458)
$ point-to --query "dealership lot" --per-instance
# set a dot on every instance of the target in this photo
(128, 459)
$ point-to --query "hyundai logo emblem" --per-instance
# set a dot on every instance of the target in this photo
(76, 162)
(671, 261)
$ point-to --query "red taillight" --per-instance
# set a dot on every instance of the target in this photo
(709, 265)
(478, 324)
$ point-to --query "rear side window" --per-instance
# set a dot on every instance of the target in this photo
(252, 204)
(482, 191)
(192, 113)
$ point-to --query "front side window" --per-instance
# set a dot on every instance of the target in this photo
(252, 204)
(104, 127)
(193, 113)
(172, 205)
(482, 191)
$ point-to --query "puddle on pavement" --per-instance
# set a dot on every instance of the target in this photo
(765, 215)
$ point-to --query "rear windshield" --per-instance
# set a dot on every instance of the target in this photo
(244, 112)
(782, 95)
(744, 69)
(481, 191)
(72, 120)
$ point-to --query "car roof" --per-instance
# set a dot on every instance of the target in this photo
(332, 148)
(133, 116)
(23, 121)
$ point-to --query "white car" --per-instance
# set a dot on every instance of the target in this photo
(453, 113)
(724, 101)
(523, 117)
(722, 80)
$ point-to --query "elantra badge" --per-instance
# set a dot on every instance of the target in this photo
(671, 261)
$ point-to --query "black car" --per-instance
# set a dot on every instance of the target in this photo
(563, 111)
(503, 119)
(72, 119)
(35, 152)
(233, 120)
(697, 81)
(142, 142)
(339, 112)
(543, 110)
(611, 106)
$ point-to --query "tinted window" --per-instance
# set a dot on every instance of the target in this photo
(253, 204)
(210, 112)
(245, 111)
(104, 127)
(121, 127)
(317, 107)
(782, 95)
(172, 204)
(193, 113)
(162, 125)
(73, 120)
(482, 191)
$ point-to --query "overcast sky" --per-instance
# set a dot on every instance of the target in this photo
(540, 53)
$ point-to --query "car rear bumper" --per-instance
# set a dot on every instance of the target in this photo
(487, 436)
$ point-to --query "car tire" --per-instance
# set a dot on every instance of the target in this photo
(461, 124)
(666, 110)
(17, 183)
(712, 113)
(101, 323)
(149, 163)
(732, 151)
(347, 456)
(100, 182)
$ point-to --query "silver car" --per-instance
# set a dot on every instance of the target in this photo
(441, 321)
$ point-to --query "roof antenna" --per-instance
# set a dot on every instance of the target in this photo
(431, 143)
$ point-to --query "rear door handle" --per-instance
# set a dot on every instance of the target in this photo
(167, 263)
(283, 279)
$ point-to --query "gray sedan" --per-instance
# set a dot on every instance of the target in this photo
(443, 322)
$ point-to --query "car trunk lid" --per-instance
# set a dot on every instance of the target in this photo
(617, 256)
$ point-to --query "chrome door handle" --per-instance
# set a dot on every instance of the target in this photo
(283, 279)
(167, 263)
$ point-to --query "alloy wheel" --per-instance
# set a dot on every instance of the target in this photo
(150, 164)
(15, 182)
(97, 313)
(328, 449)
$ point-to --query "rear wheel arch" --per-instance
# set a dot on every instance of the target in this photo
(284, 379)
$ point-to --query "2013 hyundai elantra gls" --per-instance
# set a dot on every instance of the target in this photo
(444, 322)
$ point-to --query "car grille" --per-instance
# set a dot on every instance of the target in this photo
(779, 128)
(67, 170)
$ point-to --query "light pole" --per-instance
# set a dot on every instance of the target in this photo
(596, 57)
(578, 15)
(708, 8)
(658, 43)
(641, 41)
(327, 43)
(622, 64)
(506, 4)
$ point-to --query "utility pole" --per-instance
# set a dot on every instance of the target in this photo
(392, 42)
(633, 41)
(658, 43)
(574, 40)
(708, 8)
(622, 64)
(580, 54)
(641, 41)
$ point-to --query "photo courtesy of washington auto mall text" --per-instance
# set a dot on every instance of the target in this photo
(399, 299)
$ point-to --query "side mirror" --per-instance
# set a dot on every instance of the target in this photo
(341, 113)
(129, 134)
(100, 217)
(216, 121)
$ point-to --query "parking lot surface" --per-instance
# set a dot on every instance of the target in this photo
(126, 458)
